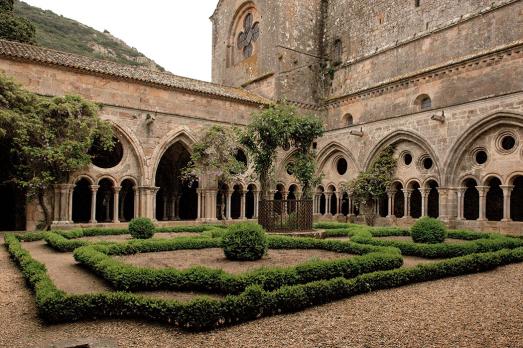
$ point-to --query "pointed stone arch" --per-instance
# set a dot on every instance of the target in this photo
(458, 149)
(398, 136)
(181, 136)
(331, 149)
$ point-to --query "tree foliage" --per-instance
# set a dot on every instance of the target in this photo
(12, 27)
(48, 138)
(282, 126)
(214, 155)
(373, 183)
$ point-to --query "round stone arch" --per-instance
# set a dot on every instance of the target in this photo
(234, 54)
(462, 146)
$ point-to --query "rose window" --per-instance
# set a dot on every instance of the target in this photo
(249, 35)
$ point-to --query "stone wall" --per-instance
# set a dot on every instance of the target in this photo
(410, 40)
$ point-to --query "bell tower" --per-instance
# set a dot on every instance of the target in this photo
(270, 47)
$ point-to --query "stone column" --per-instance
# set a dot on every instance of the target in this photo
(228, 214)
(199, 208)
(461, 206)
(165, 207)
(242, 205)
(136, 201)
(443, 195)
(315, 205)
(406, 196)
(390, 195)
(178, 199)
(328, 204)
(116, 203)
(424, 201)
(340, 202)
(507, 192)
(351, 205)
(256, 204)
(482, 202)
(94, 190)
(62, 205)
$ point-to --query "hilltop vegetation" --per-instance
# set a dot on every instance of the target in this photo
(64, 34)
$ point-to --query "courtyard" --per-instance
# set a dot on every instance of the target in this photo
(469, 310)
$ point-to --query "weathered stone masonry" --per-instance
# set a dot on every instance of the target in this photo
(441, 81)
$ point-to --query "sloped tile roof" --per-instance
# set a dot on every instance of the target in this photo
(39, 54)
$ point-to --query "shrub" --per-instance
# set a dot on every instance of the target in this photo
(428, 230)
(245, 242)
(141, 228)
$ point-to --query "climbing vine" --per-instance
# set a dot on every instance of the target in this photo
(281, 126)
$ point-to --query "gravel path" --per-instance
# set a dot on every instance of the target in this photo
(480, 310)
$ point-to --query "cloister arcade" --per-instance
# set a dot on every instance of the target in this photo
(475, 182)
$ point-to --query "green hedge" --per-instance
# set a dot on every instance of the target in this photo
(200, 314)
(126, 277)
(488, 243)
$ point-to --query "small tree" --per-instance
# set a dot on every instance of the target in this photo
(373, 183)
(304, 131)
(49, 138)
(12, 27)
(268, 131)
(282, 126)
(214, 155)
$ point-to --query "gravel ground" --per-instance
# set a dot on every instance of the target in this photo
(214, 258)
(480, 310)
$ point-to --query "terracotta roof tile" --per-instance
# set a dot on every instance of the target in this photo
(49, 56)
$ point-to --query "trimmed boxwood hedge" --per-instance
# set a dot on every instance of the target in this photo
(55, 306)
(66, 241)
(476, 242)
(126, 277)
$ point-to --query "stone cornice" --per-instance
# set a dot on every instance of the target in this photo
(431, 73)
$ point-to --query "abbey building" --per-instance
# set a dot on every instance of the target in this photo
(441, 80)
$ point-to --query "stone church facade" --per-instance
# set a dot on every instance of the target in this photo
(441, 80)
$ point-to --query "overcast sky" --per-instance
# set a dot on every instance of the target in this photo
(177, 34)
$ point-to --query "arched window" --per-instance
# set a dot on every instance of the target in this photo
(348, 120)
(337, 51)
(423, 102)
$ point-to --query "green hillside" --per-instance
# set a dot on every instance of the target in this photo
(64, 34)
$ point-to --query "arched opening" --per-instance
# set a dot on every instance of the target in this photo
(471, 200)
(278, 196)
(12, 208)
(126, 201)
(348, 120)
(494, 204)
(415, 201)
(399, 201)
(249, 202)
(105, 201)
(176, 199)
(82, 201)
(433, 200)
(236, 202)
(383, 207)
(291, 197)
(333, 201)
(323, 204)
(423, 102)
(345, 204)
(106, 158)
(516, 199)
